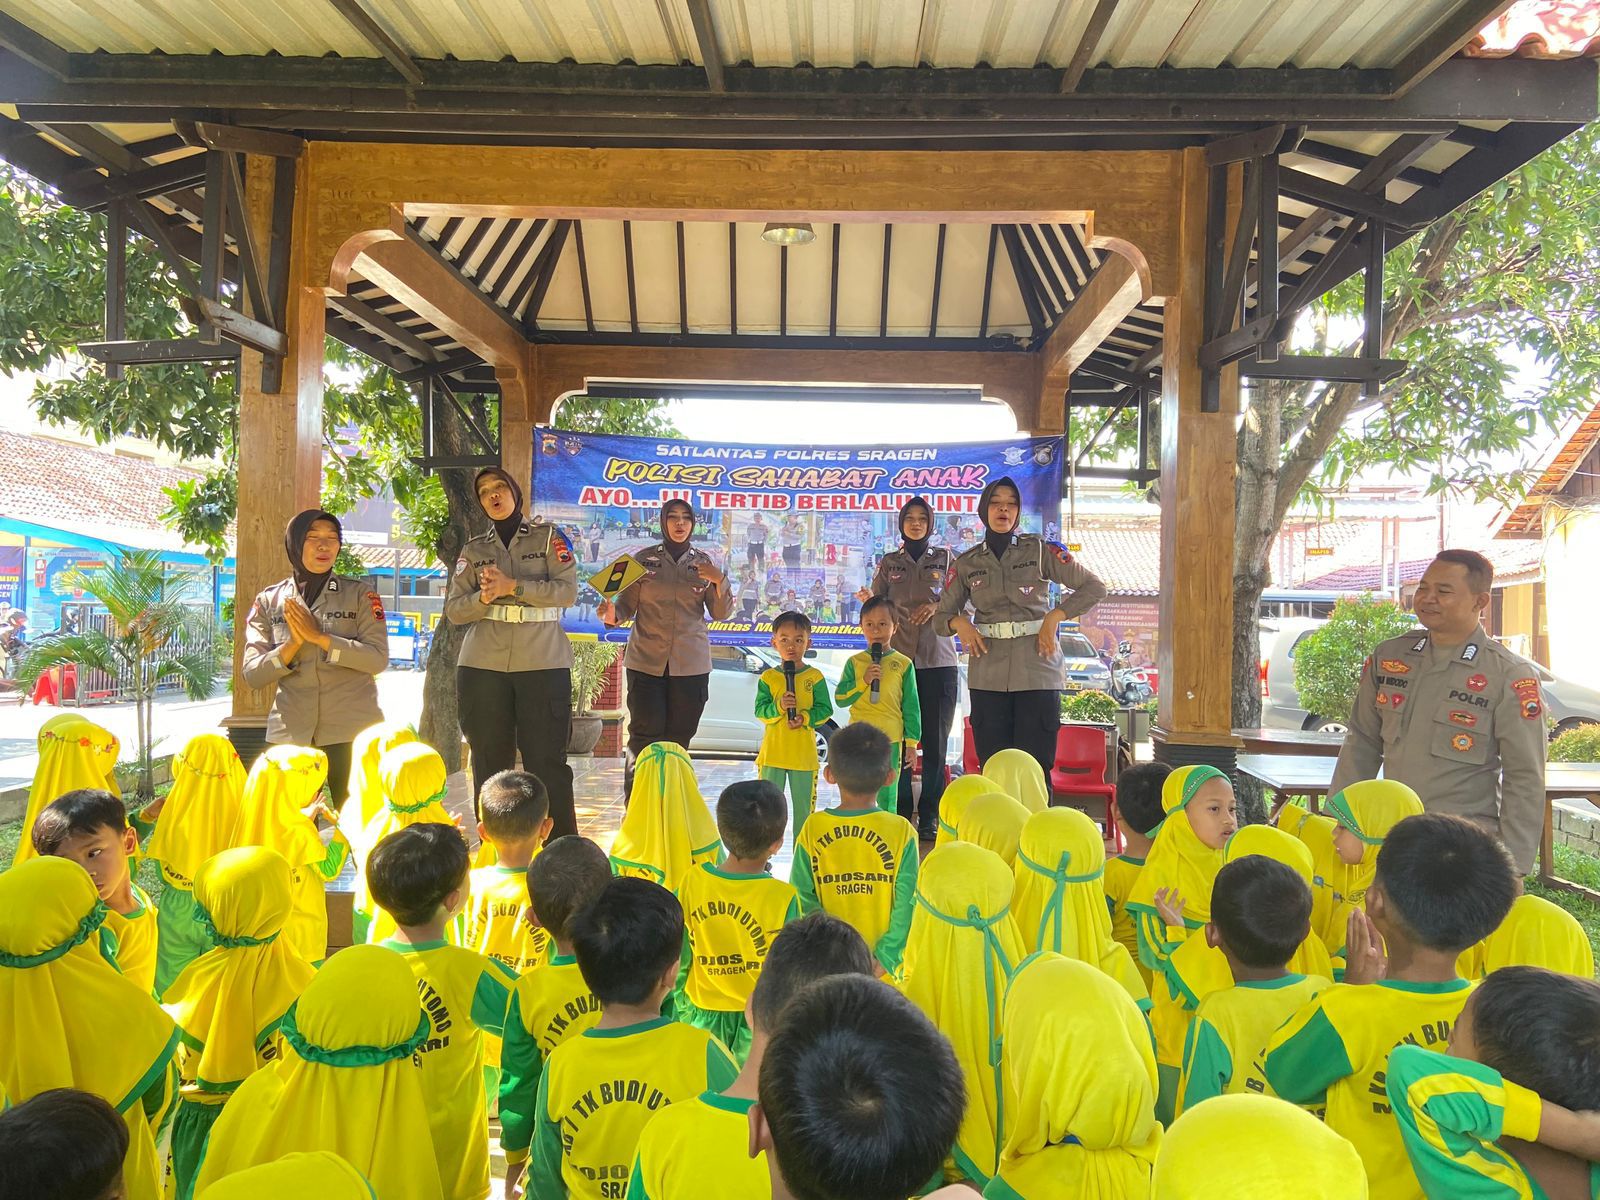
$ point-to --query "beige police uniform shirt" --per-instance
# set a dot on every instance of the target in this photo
(1463, 726)
(322, 698)
(910, 583)
(669, 608)
(542, 563)
(1015, 587)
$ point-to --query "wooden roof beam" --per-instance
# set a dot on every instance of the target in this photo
(1083, 55)
(1116, 289)
(380, 39)
(705, 33)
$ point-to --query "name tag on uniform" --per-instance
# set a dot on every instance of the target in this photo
(618, 577)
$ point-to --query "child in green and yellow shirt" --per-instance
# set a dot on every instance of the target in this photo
(513, 818)
(791, 713)
(731, 913)
(1139, 812)
(879, 685)
(418, 876)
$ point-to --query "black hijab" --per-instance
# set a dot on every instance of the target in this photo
(675, 549)
(915, 546)
(507, 529)
(308, 583)
(997, 542)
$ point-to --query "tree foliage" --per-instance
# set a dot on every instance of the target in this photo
(1327, 661)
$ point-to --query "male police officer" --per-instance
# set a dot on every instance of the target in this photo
(1453, 714)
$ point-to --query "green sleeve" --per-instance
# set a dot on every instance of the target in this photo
(491, 997)
(800, 879)
(892, 945)
(685, 965)
(636, 1182)
(333, 862)
(821, 703)
(721, 1068)
(1305, 1057)
(521, 1073)
(910, 706)
(999, 1189)
(543, 1180)
(1450, 1115)
(794, 910)
(1207, 1065)
(1154, 947)
(766, 703)
(140, 826)
(849, 690)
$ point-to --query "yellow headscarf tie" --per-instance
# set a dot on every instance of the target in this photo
(201, 815)
(1178, 858)
(1059, 901)
(283, 781)
(1081, 1085)
(67, 1018)
(366, 753)
(1247, 1147)
(960, 950)
(667, 829)
(994, 821)
(233, 996)
(960, 792)
(1019, 775)
(74, 753)
(349, 1082)
(319, 1174)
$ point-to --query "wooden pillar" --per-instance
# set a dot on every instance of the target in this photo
(280, 440)
(1194, 718)
(516, 428)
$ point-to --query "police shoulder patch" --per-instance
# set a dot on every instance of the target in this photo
(1060, 551)
(377, 605)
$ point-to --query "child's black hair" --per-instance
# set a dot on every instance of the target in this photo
(751, 815)
(80, 811)
(412, 870)
(814, 947)
(61, 1145)
(562, 879)
(1139, 795)
(513, 806)
(861, 758)
(790, 617)
(626, 938)
(862, 1095)
(1262, 910)
(1541, 1029)
(1446, 880)
(872, 605)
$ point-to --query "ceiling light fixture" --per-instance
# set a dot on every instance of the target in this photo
(788, 233)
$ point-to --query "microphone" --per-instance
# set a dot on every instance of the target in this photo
(788, 679)
(877, 657)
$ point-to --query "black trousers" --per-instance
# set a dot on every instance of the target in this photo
(338, 773)
(936, 697)
(662, 708)
(1016, 720)
(503, 712)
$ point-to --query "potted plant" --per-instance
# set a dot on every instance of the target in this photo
(591, 661)
(1100, 710)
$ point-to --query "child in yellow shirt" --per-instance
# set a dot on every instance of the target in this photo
(90, 827)
(418, 875)
(879, 685)
(791, 713)
(1139, 813)
(551, 1003)
(514, 818)
(700, 1149)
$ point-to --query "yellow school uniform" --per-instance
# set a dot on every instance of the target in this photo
(549, 1005)
(1225, 1052)
(1120, 874)
(783, 748)
(414, 788)
(349, 1082)
(1535, 933)
(74, 753)
(729, 923)
(1080, 1087)
(995, 822)
(668, 828)
(1019, 775)
(323, 1175)
(598, 1093)
(137, 940)
(699, 1150)
(68, 1018)
(464, 996)
(498, 919)
(1337, 1047)
(896, 710)
(860, 865)
(958, 793)
(1253, 1147)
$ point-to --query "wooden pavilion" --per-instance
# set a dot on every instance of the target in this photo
(1114, 204)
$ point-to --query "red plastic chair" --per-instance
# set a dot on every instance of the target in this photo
(1080, 770)
(969, 749)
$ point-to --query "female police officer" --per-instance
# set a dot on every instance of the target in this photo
(1014, 673)
(322, 639)
(514, 676)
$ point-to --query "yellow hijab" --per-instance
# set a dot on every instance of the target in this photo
(960, 792)
(1080, 1080)
(414, 782)
(994, 821)
(366, 753)
(74, 753)
(201, 815)
(1249, 1147)
(1369, 808)
(283, 781)
(233, 996)
(320, 1174)
(1535, 933)
(667, 829)
(67, 1018)
(1059, 901)
(1019, 775)
(349, 1082)
(961, 948)
(1178, 858)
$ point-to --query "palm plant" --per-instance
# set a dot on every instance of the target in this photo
(150, 636)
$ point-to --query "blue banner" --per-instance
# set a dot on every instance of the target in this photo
(795, 527)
